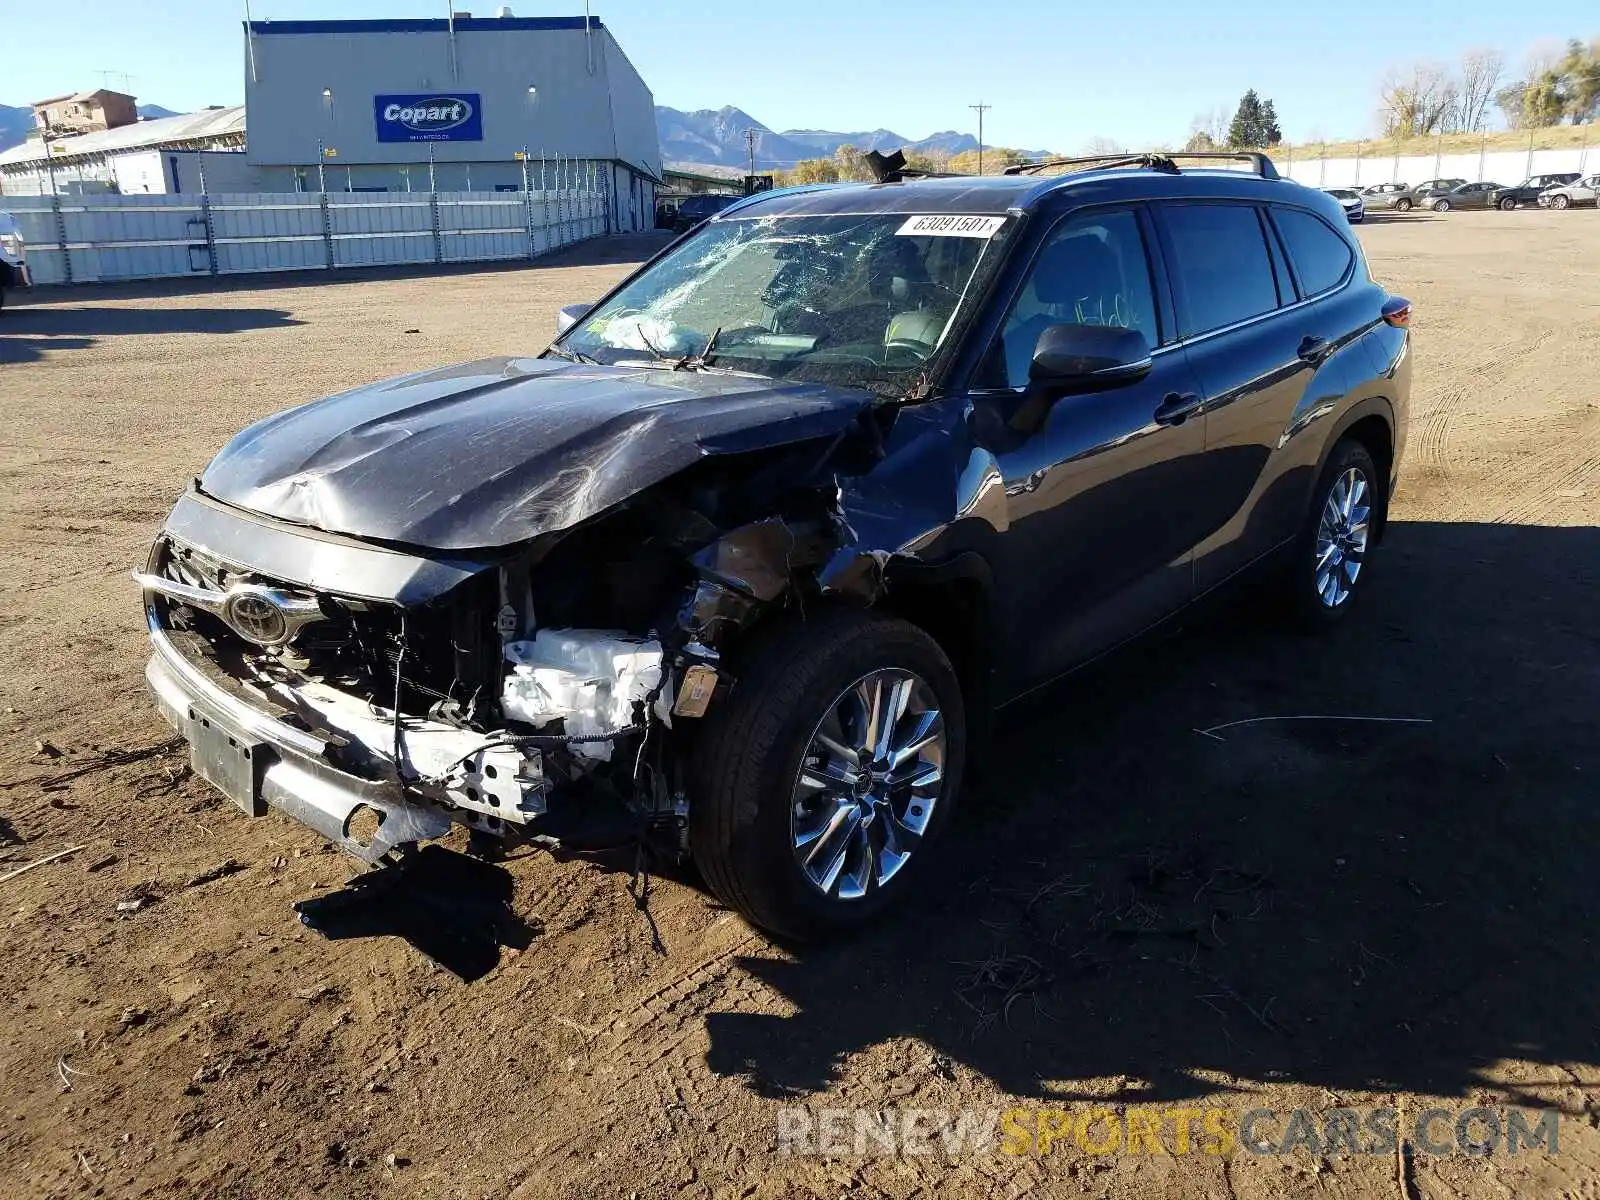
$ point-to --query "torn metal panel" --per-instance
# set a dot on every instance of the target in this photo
(475, 771)
(493, 453)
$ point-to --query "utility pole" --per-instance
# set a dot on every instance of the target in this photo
(980, 109)
(750, 145)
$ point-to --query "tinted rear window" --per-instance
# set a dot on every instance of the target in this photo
(1321, 257)
(1220, 269)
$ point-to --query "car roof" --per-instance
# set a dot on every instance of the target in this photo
(995, 195)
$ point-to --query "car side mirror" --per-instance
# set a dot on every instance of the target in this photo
(570, 315)
(1073, 359)
(1088, 358)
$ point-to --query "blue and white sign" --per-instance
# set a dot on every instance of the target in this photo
(435, 117)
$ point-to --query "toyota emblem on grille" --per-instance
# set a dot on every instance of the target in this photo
(257, 619)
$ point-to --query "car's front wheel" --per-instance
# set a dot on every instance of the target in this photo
(1507, 204)
(823, 779)
(1328, 562)
(1441, 206)
(1560, 202)
(1402, 205)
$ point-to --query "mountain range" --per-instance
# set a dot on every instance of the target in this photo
(706, 137)
(16, 120)
(715, 137)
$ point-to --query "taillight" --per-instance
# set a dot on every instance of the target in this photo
(1397, 313)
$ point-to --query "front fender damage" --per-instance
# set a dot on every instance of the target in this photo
(573, 668)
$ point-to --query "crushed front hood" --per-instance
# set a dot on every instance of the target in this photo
(494, 452)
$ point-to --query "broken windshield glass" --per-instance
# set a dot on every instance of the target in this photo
(828, 299)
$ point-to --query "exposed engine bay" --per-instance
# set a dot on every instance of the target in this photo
(575, 665)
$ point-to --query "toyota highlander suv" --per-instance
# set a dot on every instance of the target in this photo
(757, 547)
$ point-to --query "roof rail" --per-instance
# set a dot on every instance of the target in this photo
(1257, 158)
(1162, 161)
(1156, 162)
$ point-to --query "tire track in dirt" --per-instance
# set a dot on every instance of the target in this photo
(1565, 468)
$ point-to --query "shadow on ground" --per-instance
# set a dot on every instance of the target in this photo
(27, 333)
(454, 909)
(1346, 904)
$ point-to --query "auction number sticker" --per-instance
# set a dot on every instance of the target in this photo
(951, 225)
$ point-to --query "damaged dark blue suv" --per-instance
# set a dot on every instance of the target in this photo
(754, 548)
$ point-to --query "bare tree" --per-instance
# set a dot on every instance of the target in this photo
(1417, 99)
(1478, 80)
(1104, 145)
(1212, 126)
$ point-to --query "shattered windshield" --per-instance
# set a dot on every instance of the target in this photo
(854, 299)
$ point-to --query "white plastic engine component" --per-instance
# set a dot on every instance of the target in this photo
(590, 679)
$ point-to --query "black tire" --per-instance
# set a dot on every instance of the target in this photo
(1441, 206)
(750, 752)
(1306, 605)
(1402, 205)
(1509, 203)
(1560, 202)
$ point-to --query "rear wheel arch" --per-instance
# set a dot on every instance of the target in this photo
(1372, 425)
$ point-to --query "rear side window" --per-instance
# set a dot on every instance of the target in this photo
(1321, 257)
(1220, 270)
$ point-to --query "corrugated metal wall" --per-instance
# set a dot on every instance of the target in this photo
(82, 239)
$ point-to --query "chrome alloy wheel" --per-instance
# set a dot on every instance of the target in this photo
(868, 784)
(1342, 537)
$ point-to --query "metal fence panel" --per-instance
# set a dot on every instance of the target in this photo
(279, 254)
(72, 239)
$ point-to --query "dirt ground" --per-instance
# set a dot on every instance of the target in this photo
(1276, 915)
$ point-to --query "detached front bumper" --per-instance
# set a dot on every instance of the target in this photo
(260, 761)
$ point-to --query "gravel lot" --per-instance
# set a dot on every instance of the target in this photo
(1300, 914)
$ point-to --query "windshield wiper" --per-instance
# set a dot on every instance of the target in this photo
(692, 362)
(574, 356)
(702, 361)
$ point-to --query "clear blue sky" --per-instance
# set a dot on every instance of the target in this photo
(1057, 72)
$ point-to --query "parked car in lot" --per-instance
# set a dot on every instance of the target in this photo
(1423, 194)
(1577, 193)
(1355, 211)
(694, 209)
(1468, 195)
(1386, 195)
(763, 539)
(13, 257)
(1529, 190)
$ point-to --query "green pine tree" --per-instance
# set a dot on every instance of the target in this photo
(1271, 135)
(1246, 126)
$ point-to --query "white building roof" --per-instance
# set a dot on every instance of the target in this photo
(188, 127)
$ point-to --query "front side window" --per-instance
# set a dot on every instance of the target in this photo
(1092, 270)
(1321, 257)
(1218, 261)
(864, 300)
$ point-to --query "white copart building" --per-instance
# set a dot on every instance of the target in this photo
(356, 97)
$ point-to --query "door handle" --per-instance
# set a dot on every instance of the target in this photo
(1314, 349)
(1177, 407)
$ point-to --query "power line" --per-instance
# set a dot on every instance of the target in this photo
(750, 144)
(980, 109)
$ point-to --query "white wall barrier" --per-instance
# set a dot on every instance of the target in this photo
(81, 239)
(1476, 166)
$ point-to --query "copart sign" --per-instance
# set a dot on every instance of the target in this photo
(455, 117)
